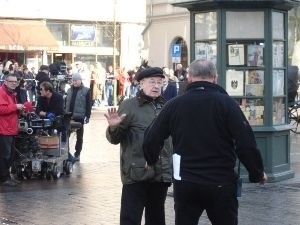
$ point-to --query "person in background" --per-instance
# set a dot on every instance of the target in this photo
(95, 92)
(2, 77)
(9, 117)
(134, 84)
(180, 72)
(29, 83)
(50, 103)
(42, 75)
(79, 103)
(169, 89)
(143, 187)
(209, 132)
(32, 70)
(109, 86)
(101, 86)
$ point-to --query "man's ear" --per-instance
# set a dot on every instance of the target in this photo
(215, 79)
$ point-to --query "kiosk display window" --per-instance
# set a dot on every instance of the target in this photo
(246, 78)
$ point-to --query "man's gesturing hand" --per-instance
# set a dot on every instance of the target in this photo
(113, 117)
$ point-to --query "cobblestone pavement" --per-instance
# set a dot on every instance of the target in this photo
(91, 194)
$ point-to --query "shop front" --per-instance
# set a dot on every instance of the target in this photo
(26, 41)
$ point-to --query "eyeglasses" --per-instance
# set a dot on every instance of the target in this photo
(12, 81)
(153, 83)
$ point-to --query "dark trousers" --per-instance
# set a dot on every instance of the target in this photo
(79, 139)
(137, 196)
(192, 199)
(7, 151)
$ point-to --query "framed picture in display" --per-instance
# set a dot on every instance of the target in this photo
(236, 56)
(235, 82)
(278, 54)
(255, 55)
(206, 51)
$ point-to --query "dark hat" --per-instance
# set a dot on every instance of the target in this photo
(44, 67)
(76, 76)
(150, 72)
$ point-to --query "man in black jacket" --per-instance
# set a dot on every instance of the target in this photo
(209, 132)
(49, 102)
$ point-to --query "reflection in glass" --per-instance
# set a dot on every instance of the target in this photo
(248, 25)
(255, 55)
(206, 51)
(206, 26)
(277, 25)
(278, 82)
(254, 83)
(253, 110)
(278, 111)
(278, 54)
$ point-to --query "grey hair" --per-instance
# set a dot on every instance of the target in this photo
(202, 68)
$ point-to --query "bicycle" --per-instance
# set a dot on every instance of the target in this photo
(294, 116)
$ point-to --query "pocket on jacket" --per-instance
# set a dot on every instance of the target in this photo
(138, 172)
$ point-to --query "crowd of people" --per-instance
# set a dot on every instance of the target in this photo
(174, 127)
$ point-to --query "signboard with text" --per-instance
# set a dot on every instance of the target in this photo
(83, 35)
(176, 53)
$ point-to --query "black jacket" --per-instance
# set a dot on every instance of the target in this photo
(208, 130)
(170, 92)
(55, 105)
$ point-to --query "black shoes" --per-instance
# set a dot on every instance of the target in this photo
(10, 183)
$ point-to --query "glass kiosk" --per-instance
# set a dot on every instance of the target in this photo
(248, 42)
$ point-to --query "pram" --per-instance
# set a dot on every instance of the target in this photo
(42, 147)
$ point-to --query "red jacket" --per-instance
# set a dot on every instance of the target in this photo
(8, 113)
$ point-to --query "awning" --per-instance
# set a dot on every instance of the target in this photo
(26, 35)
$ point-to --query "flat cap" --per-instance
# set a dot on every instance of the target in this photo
(150, 72)
(76, 76)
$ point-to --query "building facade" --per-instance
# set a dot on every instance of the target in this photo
(87, 32)
(166, 26)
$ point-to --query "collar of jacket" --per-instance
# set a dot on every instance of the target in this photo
(81, 85)
(145, 99)
(9, 91)
(204, 85)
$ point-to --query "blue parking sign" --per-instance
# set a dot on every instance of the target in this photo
(176, 50)
(176, 53)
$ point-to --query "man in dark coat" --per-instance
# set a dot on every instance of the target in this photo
(144, 188)
(49, 103)
(209, 131)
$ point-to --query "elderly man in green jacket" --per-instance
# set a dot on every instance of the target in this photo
(143, 186)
